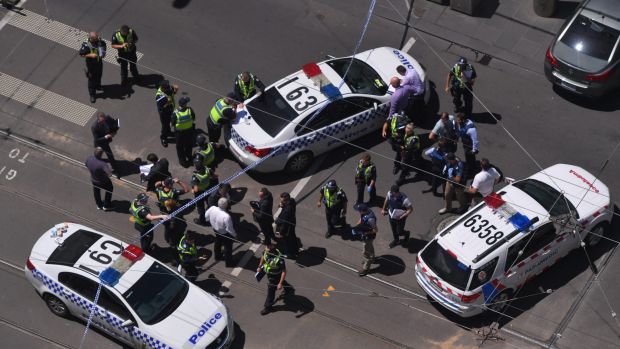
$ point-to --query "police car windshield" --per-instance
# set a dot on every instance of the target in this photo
(156, 294)
(73, 247)
(271, 112)
(447, 268)
(361, 78)
(548, 197)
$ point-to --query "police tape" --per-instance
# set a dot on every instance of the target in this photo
(211, 190)
(90, 315)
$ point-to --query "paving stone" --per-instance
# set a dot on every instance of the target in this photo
(526, 47)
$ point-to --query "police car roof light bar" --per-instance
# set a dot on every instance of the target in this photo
(494, 200)
(112, 274)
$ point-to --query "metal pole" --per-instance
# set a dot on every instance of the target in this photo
(402, 41)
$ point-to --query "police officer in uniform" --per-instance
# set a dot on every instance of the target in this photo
(222, 113)
(365, 179)
(93, 51)
(142, 218)
(202, 180)
(188, 255)
(168, 201)
(366, 230)
(124, 40)
(394, 127)
(247, 85)
(438, 161)
(454, 171)
(410, 152)
(398, 206)
(207, 151)
(335, 201)
(469, 137)
(164, 97)
(183, 122)
(460, 82)
(273, 265)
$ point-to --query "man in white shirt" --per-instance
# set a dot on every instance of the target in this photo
(222, 225)
(484, 181)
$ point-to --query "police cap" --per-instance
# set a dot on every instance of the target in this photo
(450, 156)
(168, 182)
(361, 207)
(331, 184)
(183, 101)
(201, 139)
(142, 198)
(164, 84)
(462, 61)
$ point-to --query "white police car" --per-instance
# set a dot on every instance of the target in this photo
(284, 117)
(487, 254)
(142, 302)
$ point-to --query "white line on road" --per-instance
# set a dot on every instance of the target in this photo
(5, 20)
(45, 100)
(408, 45)
(407, 4)
(11, 265)
(57, 32)
(246, 257)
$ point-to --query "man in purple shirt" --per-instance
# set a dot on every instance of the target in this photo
(400, 98)
(100, 173)
(416, 100)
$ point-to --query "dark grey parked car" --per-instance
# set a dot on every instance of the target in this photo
(584, 58)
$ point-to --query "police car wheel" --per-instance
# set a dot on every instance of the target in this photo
(299, 162)
(56, 306)
(596, 235)
(500, 302)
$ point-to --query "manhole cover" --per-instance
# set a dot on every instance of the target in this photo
(446, 221)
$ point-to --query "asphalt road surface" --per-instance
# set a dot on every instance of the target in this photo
(202, 46)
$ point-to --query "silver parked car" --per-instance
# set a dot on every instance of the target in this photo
(584, 58)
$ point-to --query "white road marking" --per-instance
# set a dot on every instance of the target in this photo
(5, 20)
(246, 257)
(45, 100)
(58, 32)
(408, 44)
(406, 4)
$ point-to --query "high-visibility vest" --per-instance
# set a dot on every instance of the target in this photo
(135, 209)
(272, 262)
(186, 250)
(94, 49)
(457, 74)
(160, 93)
(364, 172)
(184, 119)
(331, 199)
(217, 112)
(203, 179)
(162, 196)
(208, 154)
(398, 122)
(246, 90)
(121, 40)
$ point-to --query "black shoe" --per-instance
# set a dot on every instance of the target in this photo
(327, 235)
(164, 143)
(200, 221)
(265, 311)
(395, 170)
(99, 88)
(393, 244)
(100, 207)
(362, 272)
(108, 208)
(92, 99)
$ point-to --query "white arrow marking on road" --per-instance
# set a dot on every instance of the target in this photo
(57, 32)
(44, 100)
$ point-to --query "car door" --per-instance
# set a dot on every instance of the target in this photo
(117, 313)
(361, 120)
(537, 253)
(81, 293)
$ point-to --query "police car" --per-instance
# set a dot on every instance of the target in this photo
(285, 117)
(142, 303)
(482, 258)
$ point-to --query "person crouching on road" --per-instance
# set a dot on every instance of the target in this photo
(366, 230)
(272, 263)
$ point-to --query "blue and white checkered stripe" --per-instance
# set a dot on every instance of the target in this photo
(81, 302)
(314, 137)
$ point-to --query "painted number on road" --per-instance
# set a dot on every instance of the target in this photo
(10, 173)
(15, 153)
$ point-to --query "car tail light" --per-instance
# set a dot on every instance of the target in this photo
(550, 58)
(599, 77)
(258, 152)
(29, 265)
(470, 298)
(417, 260)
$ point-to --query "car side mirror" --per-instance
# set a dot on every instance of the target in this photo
(375, 106)
(127, 323)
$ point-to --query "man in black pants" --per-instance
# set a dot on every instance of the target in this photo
(104, 129)
(100, 177)
(273, 265)
(398, 206)
(164, 98)
(285, 225)
(124, 40)
(93, 50)
(263, 214)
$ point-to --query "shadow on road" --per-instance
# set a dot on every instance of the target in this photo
(608, 103)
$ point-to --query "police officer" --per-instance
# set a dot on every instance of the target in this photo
(124, 40)
(273, 265)
(183, 122)
(142, 218)
(93, 50)
(410, 153)
(188, 255)
(207, 151)
(168, 201)
(460, 82)
(394, 128)
(438, 161)
(365, 179)
(164, 97)
(202, 180)
(398, 206)
(247, 85)
(469, 137)
(335, 201)
(222, 113)
(366, 228)
(454, 171)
